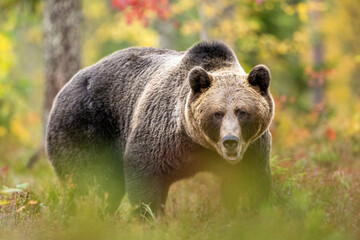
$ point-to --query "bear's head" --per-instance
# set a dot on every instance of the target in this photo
(226, 110)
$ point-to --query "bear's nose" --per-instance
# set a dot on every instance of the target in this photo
(230, 142)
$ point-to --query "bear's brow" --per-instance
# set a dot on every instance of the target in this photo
(227, 74)
(230, 75)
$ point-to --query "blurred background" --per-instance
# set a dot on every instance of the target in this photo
(312, 48)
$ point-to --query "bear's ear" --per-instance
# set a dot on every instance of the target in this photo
(199, 79)
(260, 76)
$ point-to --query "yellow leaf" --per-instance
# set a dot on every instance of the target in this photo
(289, 10)
(6, 55)
(302, 10)
(18, 129)
(4, 202)
(182, 6)
(5, 43)
(282, 48)
(3, 131)
(210, 11)
(357, 58)
(95, 9)
(191, 27)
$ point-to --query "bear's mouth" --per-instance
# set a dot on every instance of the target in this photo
(232, 157)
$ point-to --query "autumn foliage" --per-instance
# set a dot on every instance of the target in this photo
(141, 9)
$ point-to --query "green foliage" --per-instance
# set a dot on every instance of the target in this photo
(7, 6)
(149, 216)
(317, 204)
(16, 86)
(11, 92)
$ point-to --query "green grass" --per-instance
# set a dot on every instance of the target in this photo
(314, 197)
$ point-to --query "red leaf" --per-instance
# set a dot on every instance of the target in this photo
(4, 169)
(137, 9)
(330, 134)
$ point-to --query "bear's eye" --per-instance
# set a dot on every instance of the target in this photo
(218, 115)
(241, 114)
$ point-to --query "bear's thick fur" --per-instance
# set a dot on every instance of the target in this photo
(143, 118)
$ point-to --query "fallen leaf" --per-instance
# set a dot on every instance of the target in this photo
(32, 202)
(20, 209)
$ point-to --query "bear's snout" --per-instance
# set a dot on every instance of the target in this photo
(230, 142)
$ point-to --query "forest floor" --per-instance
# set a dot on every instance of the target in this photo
(316, 195)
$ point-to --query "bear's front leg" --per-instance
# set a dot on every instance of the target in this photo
(246, 188)
(143, 185)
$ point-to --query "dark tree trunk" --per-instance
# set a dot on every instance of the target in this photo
(61, 23)
(61, 26)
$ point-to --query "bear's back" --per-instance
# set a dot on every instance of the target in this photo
(128, 70)
(114, 84)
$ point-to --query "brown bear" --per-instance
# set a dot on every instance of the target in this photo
(142, 118)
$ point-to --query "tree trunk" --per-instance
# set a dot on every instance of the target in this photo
(166, 33)
(61, 26)
(317, 58)
(203, 21)
(61, 22)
